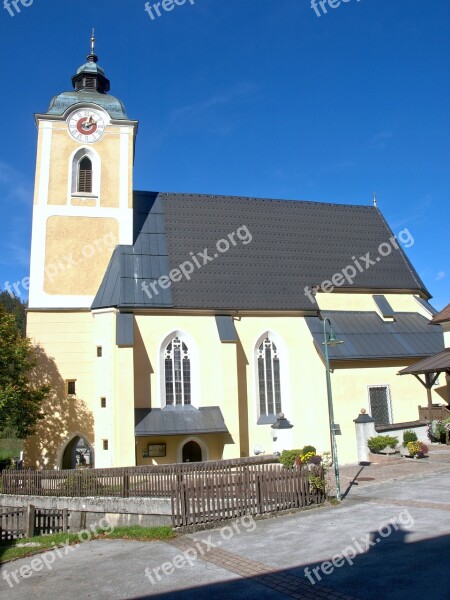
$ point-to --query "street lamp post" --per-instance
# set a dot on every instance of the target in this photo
(330, 340)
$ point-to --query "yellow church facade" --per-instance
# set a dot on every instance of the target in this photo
(178, 327)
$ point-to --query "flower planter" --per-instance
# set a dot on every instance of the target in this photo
(415, 456)
(379, 458)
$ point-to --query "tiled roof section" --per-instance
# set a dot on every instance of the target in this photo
(293, 245)
(179, 421)
(443, 316)
(113, 106)
(367, 336)
(132, 269)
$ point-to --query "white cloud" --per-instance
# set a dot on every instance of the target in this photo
(440, 275)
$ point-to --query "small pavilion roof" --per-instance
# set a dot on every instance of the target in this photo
(443, 316)
(439, 363)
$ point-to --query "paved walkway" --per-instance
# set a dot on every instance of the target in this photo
(390, 536)
(356, 476)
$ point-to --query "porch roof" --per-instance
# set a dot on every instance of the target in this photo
(443, 316)
(180, 420)
(439, 363)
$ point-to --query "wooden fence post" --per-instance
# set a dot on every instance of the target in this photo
(258, 494)
(30, 521)
(126, 485)
(65, 517)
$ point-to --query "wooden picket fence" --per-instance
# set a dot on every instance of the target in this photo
(199, 492)
(148, 481)
(209, 497)
(28, 522)
(12, 524)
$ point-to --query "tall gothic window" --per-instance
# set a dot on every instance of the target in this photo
(85, 176)
(177, 364)
(269, 378)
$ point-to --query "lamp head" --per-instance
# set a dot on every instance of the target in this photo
(331, 339)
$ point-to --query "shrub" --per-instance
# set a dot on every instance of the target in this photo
(306, 455)
(380, 442)
(317, 483)
(306, 458)
(287, 458)
(409, 436)
(416, 448)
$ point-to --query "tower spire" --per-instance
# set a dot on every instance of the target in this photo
(375, 203)
(92, 57)
(90, 77)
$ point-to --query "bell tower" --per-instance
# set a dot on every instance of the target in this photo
(83, 200)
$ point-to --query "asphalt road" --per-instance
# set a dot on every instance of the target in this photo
(387, 541)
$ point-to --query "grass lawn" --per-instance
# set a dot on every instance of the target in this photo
(11, 551)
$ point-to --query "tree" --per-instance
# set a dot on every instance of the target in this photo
(20, 401)
(16, 308)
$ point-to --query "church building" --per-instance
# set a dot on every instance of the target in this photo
(179, 327)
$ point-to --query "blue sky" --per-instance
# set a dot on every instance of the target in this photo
(250, 97)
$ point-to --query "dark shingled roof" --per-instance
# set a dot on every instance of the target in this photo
(294, 244)
(179, 421)
(367, 336)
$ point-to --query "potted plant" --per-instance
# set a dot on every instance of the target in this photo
(382, 444)
(446, 425)
(438, 431)
(408, 436)
(417, 449)
(305, 456)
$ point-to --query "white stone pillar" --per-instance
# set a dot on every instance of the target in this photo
(365, 429)
(281, 434)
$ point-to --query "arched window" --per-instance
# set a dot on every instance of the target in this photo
(177, 373)
(269, 379)
(85, 176)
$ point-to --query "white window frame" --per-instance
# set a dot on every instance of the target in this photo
(74, 163)
(389, 398)
(285, 387)
(194, 366)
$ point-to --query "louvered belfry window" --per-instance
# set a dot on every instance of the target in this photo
(85, 176)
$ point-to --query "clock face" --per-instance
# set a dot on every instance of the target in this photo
(86, 126)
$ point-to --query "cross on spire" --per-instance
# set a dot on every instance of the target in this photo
(92, 57)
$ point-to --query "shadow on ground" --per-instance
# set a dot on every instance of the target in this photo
(387, 569)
